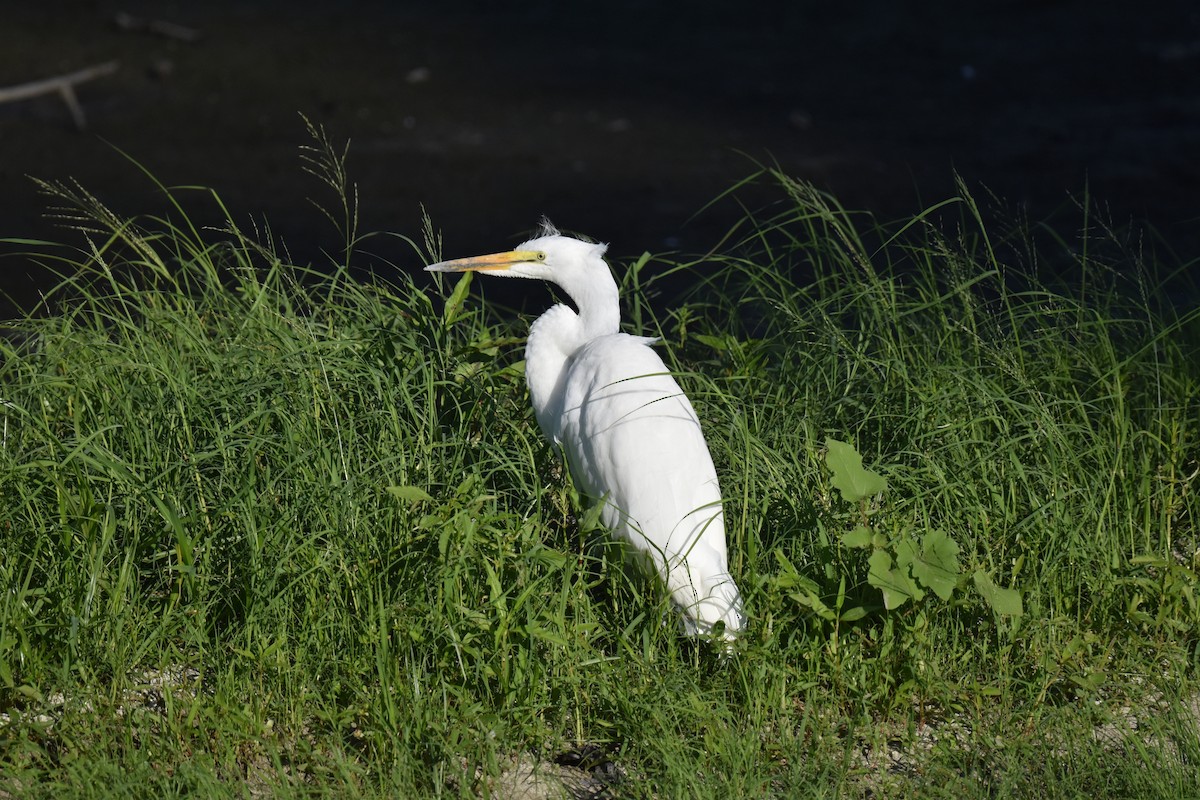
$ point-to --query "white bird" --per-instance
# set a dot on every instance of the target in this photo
(629, 434)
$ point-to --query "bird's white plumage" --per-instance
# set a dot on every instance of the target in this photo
(630, 436)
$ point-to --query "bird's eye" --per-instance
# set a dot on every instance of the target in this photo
(540, 256)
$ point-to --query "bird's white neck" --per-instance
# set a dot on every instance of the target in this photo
(599, 310)
(556, 335)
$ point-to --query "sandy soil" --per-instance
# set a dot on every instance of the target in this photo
(620, 122)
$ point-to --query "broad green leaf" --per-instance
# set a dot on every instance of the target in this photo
(797, 581)
(550, 558)
(853, 614)
(591, 518)
(467, 370)
(895, 583)
(1006, 602)
(808, 594)
(859, 537)
(854, 481)
(906, 554)
(818, 607)
(937, 566)
(790, 575)
(718, 343)
(454, 303)
(1090, 681)
(409, 494)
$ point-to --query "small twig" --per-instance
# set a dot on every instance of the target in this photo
(64, 85)
(169, 30)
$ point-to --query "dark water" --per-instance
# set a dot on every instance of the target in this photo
(619, 119)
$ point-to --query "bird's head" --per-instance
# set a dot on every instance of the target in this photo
(573, 264)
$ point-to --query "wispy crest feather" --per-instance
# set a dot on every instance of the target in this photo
(548, 228)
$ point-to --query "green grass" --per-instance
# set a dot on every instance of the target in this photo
(265, 530)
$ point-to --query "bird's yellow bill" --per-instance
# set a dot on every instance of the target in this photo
(494, 261)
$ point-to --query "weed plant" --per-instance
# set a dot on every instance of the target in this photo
(266, 529)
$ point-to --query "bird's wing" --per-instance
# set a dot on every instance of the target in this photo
(633, 438)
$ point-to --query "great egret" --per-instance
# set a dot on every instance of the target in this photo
(629, 434)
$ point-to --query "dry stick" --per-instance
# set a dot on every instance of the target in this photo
(128, 22)
(64, 85)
